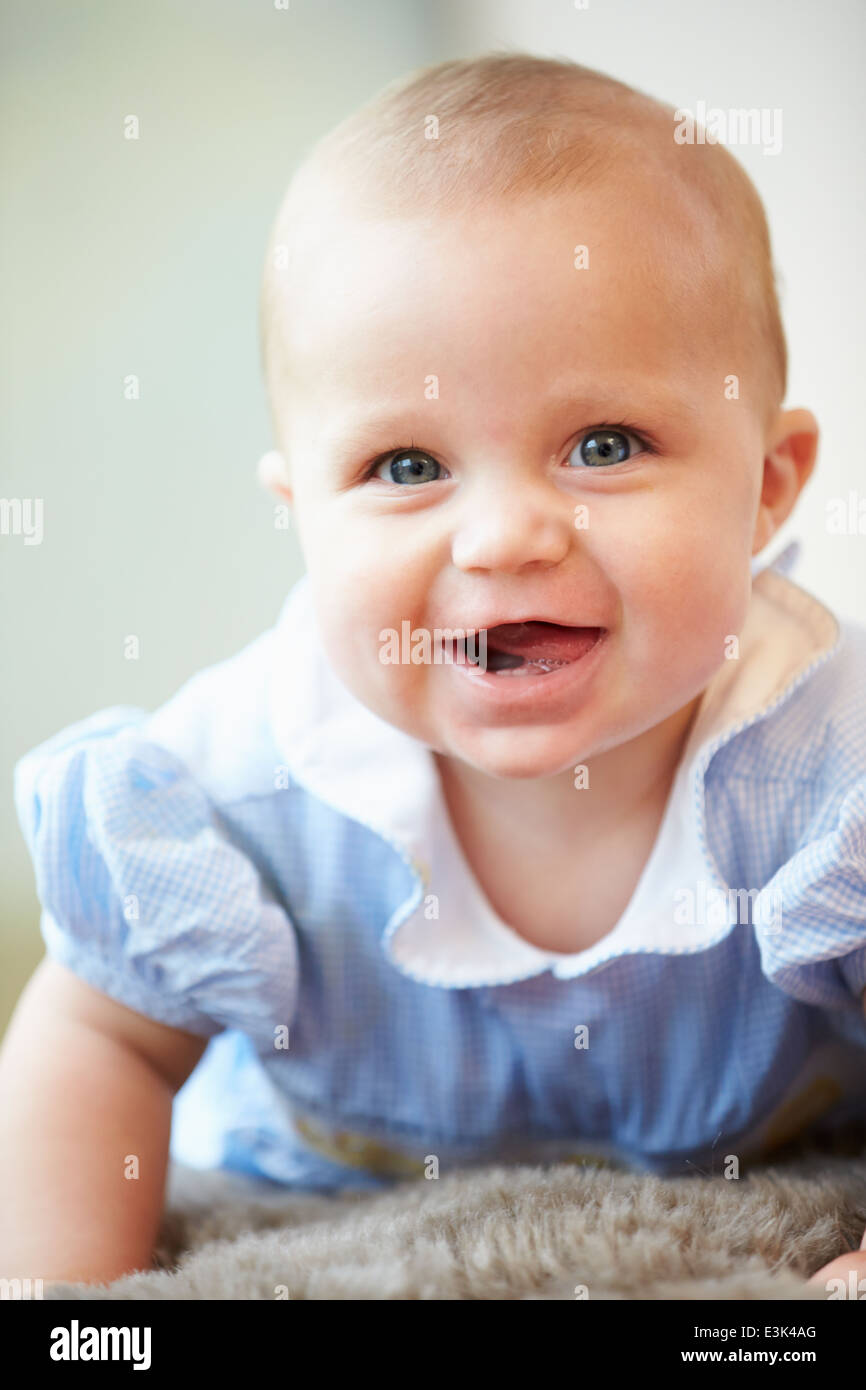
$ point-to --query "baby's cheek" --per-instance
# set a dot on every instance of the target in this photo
(680, 628)
(366, 653)
(702, 589)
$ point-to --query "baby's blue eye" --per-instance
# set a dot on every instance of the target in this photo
(605, 446)
(409, 466)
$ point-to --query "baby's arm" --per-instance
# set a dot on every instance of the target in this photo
(85, 1083)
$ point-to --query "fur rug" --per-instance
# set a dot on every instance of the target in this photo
(503, 1233)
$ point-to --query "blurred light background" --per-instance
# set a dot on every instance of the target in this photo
(143, 257)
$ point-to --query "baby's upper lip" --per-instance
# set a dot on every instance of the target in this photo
(499, 620)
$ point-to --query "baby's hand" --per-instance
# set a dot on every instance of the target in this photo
(842, 1268)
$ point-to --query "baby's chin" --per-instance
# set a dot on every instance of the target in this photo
(515, 754)
(524, 751)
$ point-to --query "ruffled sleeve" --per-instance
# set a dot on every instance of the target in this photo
(810, 919)
(144, 896)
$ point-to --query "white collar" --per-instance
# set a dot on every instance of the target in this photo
(366, 769)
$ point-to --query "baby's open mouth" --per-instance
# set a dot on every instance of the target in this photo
(528, 649)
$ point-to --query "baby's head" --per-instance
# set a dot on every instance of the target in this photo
(525, 361)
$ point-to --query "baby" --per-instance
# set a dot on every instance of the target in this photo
(535, 828)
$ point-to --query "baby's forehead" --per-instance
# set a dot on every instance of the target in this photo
(633, 226)
(686, 215)
(679, 201)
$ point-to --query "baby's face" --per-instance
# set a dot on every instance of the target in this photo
(574, 456)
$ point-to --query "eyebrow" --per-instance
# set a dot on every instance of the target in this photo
(657, 404)
(648, 393)
(372, 425)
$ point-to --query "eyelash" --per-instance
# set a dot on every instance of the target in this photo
(624, 426)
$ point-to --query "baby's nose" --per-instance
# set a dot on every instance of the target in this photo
(512, 533)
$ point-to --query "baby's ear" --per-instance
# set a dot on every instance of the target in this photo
(794, 436)
(790, 449)
(273, 474)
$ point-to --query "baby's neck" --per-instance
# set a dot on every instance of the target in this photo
(626, 784)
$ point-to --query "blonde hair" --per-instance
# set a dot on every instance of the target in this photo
(509, 125)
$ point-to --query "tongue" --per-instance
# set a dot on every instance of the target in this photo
(538, 641)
